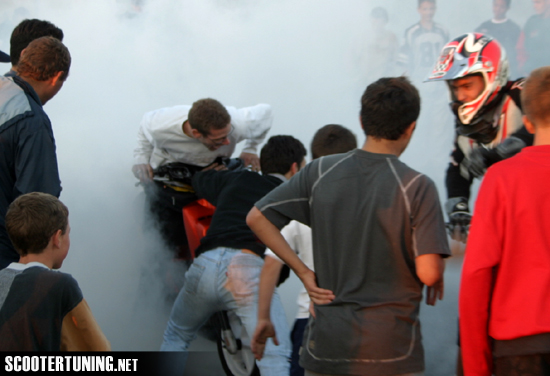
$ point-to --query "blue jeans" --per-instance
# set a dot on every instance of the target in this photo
(226, 279)
(296, 336)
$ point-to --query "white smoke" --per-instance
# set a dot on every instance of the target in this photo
(301, 56)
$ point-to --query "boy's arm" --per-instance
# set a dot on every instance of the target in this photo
(80, 331)
(429, 269)
(270, 235)
(264, 328)
(483, 254)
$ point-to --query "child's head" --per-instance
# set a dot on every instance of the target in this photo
(500, 8)
(33, 219)
(535, 98)
(388, 107)
(280, 153)
(332, 139)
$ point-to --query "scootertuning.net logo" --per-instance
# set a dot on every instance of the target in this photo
(68, 363)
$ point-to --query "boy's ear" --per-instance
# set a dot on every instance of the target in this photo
(56, 239)
(294, 168)
(56, 78)
(528, 125)
(409, 131)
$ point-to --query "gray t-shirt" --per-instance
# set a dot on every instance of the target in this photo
(370, 215)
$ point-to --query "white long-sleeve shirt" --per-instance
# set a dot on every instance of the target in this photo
(161, 139)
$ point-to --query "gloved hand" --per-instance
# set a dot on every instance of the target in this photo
(458, 212)
(477, 162)
(481, 158)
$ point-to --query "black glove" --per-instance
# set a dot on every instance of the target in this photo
(481, 158)
(477, 162)
(458, 212)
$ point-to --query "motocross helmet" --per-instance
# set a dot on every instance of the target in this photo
(474, 53)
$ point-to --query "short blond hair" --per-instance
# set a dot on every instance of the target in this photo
(535, 96)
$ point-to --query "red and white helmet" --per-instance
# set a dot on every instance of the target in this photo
(470, 54)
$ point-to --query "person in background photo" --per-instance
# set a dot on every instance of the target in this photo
(422, 44)
(505, 31)
(534, 44)
(381, 45)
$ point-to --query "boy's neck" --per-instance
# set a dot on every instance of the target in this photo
(542, 136)
(428, 25)
(383, 146)
(43, 258)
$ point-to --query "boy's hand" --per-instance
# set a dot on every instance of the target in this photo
(317, 294)
(252, 160)
(264, 330)
(434, 292)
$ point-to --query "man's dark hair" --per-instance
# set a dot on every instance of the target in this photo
(207, 114)
(279, 153)
(32, 219)
(43, 59)
(332, 139)
(423, 1)
(388, 107)
(26, 32)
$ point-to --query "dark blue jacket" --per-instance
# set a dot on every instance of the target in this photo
(28, 162)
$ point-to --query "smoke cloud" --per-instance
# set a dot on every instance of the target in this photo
(303, 57)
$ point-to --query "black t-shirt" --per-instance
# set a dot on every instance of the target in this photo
(507, 34)
(233, 193)
(33, 303)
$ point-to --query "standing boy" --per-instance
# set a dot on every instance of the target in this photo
(503, 299)
(330, 139)
(43, 309)
(505, 31)
(378, 236)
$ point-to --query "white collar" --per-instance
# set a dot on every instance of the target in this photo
(19, 266)
(280, 176)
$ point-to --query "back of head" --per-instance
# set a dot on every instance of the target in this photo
(332, 139)
(43, 59)
(207, 114)
(26, 32)
(279, 153)
(535, 97)
(32, 219)
(388, 107)
(380, 13)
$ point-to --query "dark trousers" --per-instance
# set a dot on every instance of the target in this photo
(523, 365)
(297, 336)
(165, 205)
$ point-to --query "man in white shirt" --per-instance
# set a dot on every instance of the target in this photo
(194, 135)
